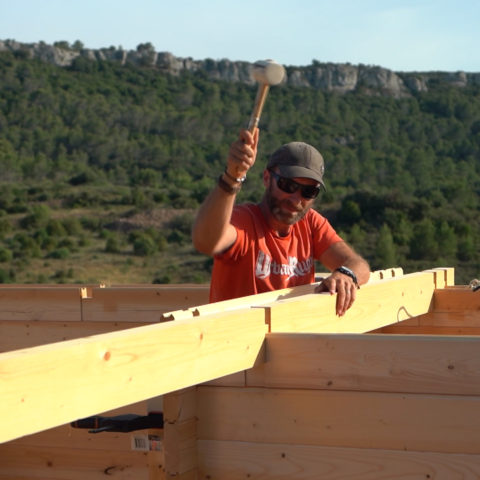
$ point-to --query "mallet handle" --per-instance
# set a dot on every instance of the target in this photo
(257, 109)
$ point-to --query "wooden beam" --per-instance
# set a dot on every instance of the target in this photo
(393, 421)
(387, 273)
(457, 299)
(258, 300)
(22, 334)
(140, 303)
(443, 276)
(273, 461)
(80, 438)
(54, 384)
(465, 322)
(130, 303)
(429, 330)
(180, 432)
(44, 303)
(378, 304)
(378, 363)
(266, 298)
(61, 463)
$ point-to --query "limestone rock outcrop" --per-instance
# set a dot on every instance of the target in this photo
(332, 77)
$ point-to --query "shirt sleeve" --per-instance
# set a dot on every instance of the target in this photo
(324, 235)
(244, 225)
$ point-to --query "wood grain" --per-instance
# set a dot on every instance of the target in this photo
(277, 461)
(370, 362)
(78, 378)
(408, 296)
(435, 423)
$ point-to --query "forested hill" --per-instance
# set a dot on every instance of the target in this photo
(103, 163)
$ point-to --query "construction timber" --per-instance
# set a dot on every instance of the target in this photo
(272, 386)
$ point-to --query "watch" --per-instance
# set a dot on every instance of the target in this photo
(347, 271)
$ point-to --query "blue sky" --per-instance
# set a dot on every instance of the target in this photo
(408, 35)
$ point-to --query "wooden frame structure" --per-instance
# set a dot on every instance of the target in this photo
(271, 386)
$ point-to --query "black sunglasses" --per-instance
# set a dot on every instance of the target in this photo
(288, 185)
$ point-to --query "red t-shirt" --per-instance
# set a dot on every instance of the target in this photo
(261, 261)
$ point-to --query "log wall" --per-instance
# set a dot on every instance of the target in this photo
(375, 406)
(317, 396)
(31, 316)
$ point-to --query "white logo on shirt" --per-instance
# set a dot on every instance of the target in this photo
(266, 267)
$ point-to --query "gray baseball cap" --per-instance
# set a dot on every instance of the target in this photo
(298, 159)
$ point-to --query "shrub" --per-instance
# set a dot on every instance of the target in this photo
(5, 255)
(24, 245)
(144, 246)
(5, 276)
(55, 228)
(162, 278)
(5, 226)
(88, 176)
(112, 245)
(59, 253)
(72, 226)
(37, 217)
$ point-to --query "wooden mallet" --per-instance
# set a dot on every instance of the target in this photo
(266, 73)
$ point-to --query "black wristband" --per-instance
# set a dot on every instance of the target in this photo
(227, 187)
(347, 271)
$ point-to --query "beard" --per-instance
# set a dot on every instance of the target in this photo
(284, 211)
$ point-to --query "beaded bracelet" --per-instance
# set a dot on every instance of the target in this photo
(238, 180)
(228, 188)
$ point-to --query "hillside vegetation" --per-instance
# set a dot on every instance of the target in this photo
(102, 167)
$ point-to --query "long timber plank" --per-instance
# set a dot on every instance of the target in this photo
(401, 421)
(44, 303)
(80, 438)
(68, 463)
(69, 303)
(258, 300)
(263, 299)
(140, 304)
(22, 334)
(430, 330)
(408, 296)
(78, 378)
(379, 363)
(274, 461)
(457, 299)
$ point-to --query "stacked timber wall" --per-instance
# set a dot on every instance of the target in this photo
(345, 406)
(272, 386)
(44, 314)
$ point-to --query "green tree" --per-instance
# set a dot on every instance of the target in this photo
(424, 244)
(447, 241)
(386, 250)
(466, 248)
(357, 237)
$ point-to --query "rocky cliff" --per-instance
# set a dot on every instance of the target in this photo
(334, 77)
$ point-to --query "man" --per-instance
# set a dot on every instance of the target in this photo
(273, 244)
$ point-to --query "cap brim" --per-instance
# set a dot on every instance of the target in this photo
(292, 171)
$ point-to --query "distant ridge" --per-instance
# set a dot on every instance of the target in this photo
(332, 77)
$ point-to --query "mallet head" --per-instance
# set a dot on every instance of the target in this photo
(268, 72)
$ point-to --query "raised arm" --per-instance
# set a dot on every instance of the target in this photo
(212, 230)
(339, 255)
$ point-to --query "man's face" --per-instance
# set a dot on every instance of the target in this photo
(287, 208)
